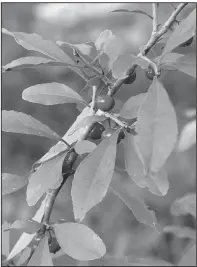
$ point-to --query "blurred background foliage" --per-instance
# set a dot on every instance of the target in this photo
(111, 219)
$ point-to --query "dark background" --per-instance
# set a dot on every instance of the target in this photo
(78, 23)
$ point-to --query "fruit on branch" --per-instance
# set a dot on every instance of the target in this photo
(68, 162)
(131, 78)
(108, 133)
(150, 73)
(53, 245)
(105, 102)
(97, 131)
(187, 43)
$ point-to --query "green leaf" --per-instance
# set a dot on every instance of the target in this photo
(79, 241)
(188, 136)
(93, 176)
(5, 235)
(184, 31)
(69, 137)
(36, 43)
(22, 257)
(25, 239)
(186, 64)
(189, 257)
(41, 256)
(18, 122)
(29, 226)
(45, 177)
(12, 183)
(84, 48)
(160, 179)
(85, 146)
(131, 106)
(135, 170)
(156, 128)
(167, 59)
(132, 11)
(109, 44)
(180, 231)
(121, 65)
(51, 94)
(184, 205)
(30, 62)
(136, 205)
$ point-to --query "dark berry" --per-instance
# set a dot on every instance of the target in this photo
(187, 43)
(54, 246)
(131, 78)
(96, 132)
(68, 161)
(150, 73)
(105, 102)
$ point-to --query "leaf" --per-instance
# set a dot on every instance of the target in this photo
(21, 244)
(5, 235)
(95, 81)
(36, 43)
(135, 170)
(109, 44)
(23, 257)
(189, 257)
(186, 64)
(160, 179)
(156, 128)
(69, 137)
(89, 120)
(29, 226)
(184, 31)
(184, 205)
(29, 62)
(131, 106)
(180, 231)
(167, 59)
(133, 11)
(84, 48)
(51, 94)
(12, 183)
(41, 256)
(79, 241)
(18, 122)
(93, 176)
(43, 179)
(25, 239)
(121, 65)
(188, 136)
(85, 146)
(136, 205)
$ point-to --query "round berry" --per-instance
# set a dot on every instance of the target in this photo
(187, 43)
(150, 73)
(105, 102)
(130, 79)
(96, 132)
(107, 133)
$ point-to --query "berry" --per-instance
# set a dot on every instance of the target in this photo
(68, 161)
(54, 246)
(105, 102)
(150, 73)
(97, 130)
(131, 78)
(187, 43)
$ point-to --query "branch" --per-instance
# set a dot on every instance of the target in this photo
(51, 195)
(152, 41)
(155, 14)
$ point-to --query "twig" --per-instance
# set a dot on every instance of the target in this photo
(152, 41)
(155, 17)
